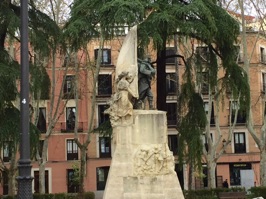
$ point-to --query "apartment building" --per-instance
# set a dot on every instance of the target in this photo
(63, 153)
(240, 163)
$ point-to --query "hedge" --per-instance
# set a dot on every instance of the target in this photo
(257, 192)
(87, 195)
(208, 193)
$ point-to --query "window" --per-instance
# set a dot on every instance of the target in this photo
(262, 55)
(206, 108)
(72, 181)
(105, 147)
(72, 150)
(173, 143)
(7, 151)
(104, 85)
(70, 118)
(69, 87)
(235, 174)
(102, 174)
(241, 114)
(106, 56)
(41, 125)
(101, 116)
(239, 142)
(171, 83)
(263, 82)
(170, 51)
(202, 53)
(120, 30)
(36, 182)
(171, 114)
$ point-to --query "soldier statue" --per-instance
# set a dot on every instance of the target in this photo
(145, 75)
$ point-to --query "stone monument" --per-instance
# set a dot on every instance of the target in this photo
(142, 165)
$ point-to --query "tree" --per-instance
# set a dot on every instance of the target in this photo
(159, 21)
(255, 8)
(43, 30)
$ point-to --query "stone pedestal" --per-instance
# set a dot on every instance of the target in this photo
(142, 165)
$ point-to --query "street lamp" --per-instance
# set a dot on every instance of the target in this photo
(24, 163)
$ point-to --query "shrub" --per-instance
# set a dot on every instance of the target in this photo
(209, 193)
(87, 195)
(257, 191)
(200, 194)
(59, 196)
(43, 196)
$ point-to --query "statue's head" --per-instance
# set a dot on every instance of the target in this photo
(147, 58)
(122, 75)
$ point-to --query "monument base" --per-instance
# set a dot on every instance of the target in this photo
(142, 165)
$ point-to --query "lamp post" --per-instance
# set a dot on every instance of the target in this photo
(24, 163)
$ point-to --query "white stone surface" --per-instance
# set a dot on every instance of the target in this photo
(142, 165)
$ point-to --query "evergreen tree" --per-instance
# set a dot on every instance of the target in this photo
(159, 20)
(42, 33)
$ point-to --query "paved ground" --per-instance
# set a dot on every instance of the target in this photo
(98, 194)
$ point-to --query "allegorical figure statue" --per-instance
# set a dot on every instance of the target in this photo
(145, 75)
(121, 108)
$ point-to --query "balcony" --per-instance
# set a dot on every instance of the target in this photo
(69, 128)
(240, 120)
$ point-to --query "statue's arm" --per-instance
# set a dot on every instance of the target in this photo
(132, 93)
(143, 69)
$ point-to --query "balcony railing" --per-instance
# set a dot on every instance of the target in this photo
(68, 127)
(240, 120)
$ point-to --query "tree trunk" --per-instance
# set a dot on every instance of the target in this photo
(82, 171)
(211, 165)
(191, 181)
(12, 181)
(42, 164)
(12, 173)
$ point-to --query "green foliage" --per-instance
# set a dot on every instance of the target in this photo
(257, 191)
(193, 121)
(40, 81)
(44, 33)
(9, 20)
(236, 81)
(105, 129)
(43, 196)
(75, 176)
(9, 72)
(87, 195)
(208, 193)
(200, 194)
(59, 196)
(88, 15)
(10, 128)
